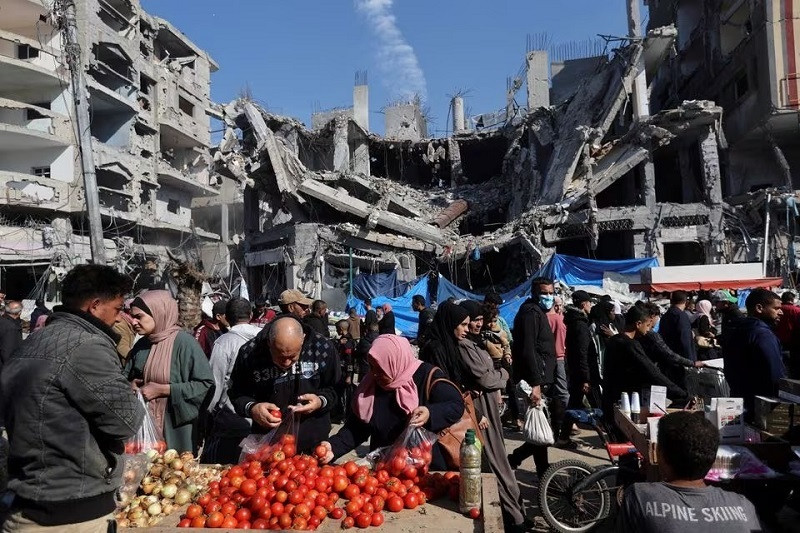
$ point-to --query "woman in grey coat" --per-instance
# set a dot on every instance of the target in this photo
(452, 348)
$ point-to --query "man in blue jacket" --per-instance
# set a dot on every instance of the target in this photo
(676, 328)
(752, 352)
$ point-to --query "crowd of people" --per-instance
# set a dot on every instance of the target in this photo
(81, 383)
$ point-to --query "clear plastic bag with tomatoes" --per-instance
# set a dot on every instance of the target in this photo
(274, 446)
(146, 438)
(409, 457)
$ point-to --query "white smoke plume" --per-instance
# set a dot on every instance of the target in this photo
(398, 62)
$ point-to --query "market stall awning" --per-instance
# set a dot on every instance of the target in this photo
(764, 283)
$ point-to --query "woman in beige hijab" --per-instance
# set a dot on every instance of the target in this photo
(170, 369)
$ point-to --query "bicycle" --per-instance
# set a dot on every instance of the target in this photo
(574, 496)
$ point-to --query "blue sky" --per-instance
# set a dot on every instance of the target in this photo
(296, 55)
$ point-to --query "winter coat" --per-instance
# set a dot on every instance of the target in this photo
(68, 411)
(318, 324)
(582, 360)
(676, 329)
(753, 362)
(533, 351)
(10, 337)
(255, 378)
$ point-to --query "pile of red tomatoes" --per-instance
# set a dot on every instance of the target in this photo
(278, 489)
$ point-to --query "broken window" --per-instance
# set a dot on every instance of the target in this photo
(116, 14)
(173, 206)
(25, 51)
(186, 106)
(33, 114)
(41, 172)
(684, 254)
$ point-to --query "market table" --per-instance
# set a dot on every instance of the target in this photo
(767, 494)
(439, 515)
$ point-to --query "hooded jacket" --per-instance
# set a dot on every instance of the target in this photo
(68, 410)
(534, 348)
(582, 359)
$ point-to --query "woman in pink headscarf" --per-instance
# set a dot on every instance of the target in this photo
(170, 369)
(392, 396)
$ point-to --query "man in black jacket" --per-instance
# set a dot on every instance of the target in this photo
(673, 365)
(583, 374)
(10, 330)
(318, 318)
(676, 328)
(69, 410)
(425, 318)
(628, 369)
(534, 361)
(287, 367)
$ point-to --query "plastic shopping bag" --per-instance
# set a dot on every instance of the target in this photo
(537, 428)
(146, 438)
(409, 457)
(278, 444)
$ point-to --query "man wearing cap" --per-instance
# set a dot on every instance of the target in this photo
(295, 303)
(583, 375)
(727, 307)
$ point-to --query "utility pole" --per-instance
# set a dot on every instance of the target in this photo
(69, 28)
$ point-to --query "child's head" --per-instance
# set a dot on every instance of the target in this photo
(342, 328)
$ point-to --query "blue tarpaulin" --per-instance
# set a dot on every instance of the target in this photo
(406, 319)
(379, 284)
(568, 270)
(578, 271)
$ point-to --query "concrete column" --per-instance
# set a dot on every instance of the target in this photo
(538, 79)
(224, 230)
(712, 194)
(641, 103)
(360, 144)
(458, 114)
(341, 145)
(361, 106)
(641, 248)
(647, 174)
(456, 170)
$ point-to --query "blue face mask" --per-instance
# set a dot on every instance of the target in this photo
(546, 301)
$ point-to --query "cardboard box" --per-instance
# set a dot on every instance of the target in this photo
(654, 400)
(775, 416)
(727, 415)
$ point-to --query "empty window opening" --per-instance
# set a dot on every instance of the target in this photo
(683, 254)
(174, 206)
(186, 106)
(25, 51)
(41, 172)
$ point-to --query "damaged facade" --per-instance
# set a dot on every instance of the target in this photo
(635, 153)
(149, 96)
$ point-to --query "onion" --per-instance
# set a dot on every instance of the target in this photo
(148, 485)
(187, 457)
(151, 454)
(167, 507)
(140, 522)
(176, 464)
(123, 522)
(183, 496)
(169, 490)
(135, 513)
(154, 509)
(170, 455)
(192, 488)
(149, 500)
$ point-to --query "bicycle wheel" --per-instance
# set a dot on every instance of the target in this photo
(567, 511)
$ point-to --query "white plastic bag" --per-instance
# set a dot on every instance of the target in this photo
(537, 428)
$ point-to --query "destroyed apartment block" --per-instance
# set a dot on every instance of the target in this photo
(585, 177)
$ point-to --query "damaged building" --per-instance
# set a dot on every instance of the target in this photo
(149, 95)
(574, 172)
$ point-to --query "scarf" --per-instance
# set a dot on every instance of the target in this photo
(163, 308)
(703, 308)
(395, 358)
(442, 347)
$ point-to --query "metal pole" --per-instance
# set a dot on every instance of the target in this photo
(766, 238)
(80, 97)
(351, 271)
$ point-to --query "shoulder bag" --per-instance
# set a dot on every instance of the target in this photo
(452, 437)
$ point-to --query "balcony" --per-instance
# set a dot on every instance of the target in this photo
(196, 184)
(27, 190)
(31, 119)
(25, 64)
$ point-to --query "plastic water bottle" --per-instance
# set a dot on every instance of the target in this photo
(469, 485)
(635, 407)
(625, 404)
